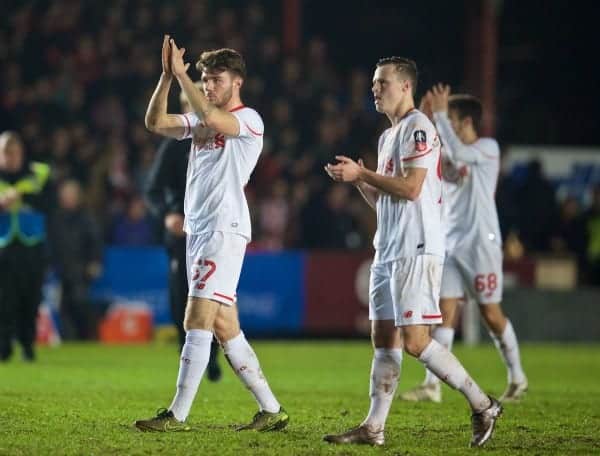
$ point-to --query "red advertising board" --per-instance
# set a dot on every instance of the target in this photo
(337, 291)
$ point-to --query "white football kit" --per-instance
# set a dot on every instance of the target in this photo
(217, 219)
(409, 243)
(474, 245)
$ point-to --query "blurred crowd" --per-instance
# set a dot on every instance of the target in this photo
(77, 77)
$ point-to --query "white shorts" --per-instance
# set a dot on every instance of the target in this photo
(407, 291)
(477, 273)
(214, 263)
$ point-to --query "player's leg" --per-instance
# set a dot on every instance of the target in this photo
(505, 339)
(178, 292)
(207, 269)
(244, 362)
(430, 389)
(487, 281)
(485, 409)
(450, 292)
(199, 321)
(416, 297)
(386, 364)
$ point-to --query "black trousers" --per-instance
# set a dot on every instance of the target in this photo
(178, 286)
(22, 272)
(75, 308)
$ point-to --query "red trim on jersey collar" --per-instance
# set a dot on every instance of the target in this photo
(237, 108)
(407, 113)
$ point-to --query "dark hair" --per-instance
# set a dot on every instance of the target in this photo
(222, 60)
(403, 65)
(467, 106)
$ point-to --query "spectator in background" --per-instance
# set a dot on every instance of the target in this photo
(538, 212)
(76, 252)
(24, 201)
(505, 201)
(134, 227)
(333, 224)
(591, 224)
(274, 213)
(570, 234)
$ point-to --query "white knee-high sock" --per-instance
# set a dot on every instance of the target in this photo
(193, 362)
(508, 346)
(445, 365)
(242, 358)
(385, 372)
(444, 336)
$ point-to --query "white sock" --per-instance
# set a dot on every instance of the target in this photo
(245, 364)
(385, 372)
(444, 336)
(509, 349)
(445, 365)
(194, 359)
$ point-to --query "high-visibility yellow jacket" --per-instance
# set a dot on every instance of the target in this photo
(22, 221)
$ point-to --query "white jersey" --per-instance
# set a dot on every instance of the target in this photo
(471, 214)
(217, 173)
(410, 228)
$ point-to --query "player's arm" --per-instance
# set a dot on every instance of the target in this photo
(157, 120)
(219, 120)
(368, 192)
(406, 187)
(455, 150)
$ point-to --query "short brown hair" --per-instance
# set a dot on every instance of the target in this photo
(467, 106)
(403, 65)
(219, 60)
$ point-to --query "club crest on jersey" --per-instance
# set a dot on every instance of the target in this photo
(420, 140)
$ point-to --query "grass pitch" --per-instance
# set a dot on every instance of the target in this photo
(82, 399)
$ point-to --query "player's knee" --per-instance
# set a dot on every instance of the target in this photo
(196, 320)
(225, 331)
(190, 323)
(413, 347)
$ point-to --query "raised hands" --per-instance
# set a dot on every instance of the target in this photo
(439, 97)
(166, 56)
(425, 106)
(178, 66)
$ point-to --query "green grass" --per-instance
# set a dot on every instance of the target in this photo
(82, 399)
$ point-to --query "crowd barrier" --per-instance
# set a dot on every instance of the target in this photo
(297, 293)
